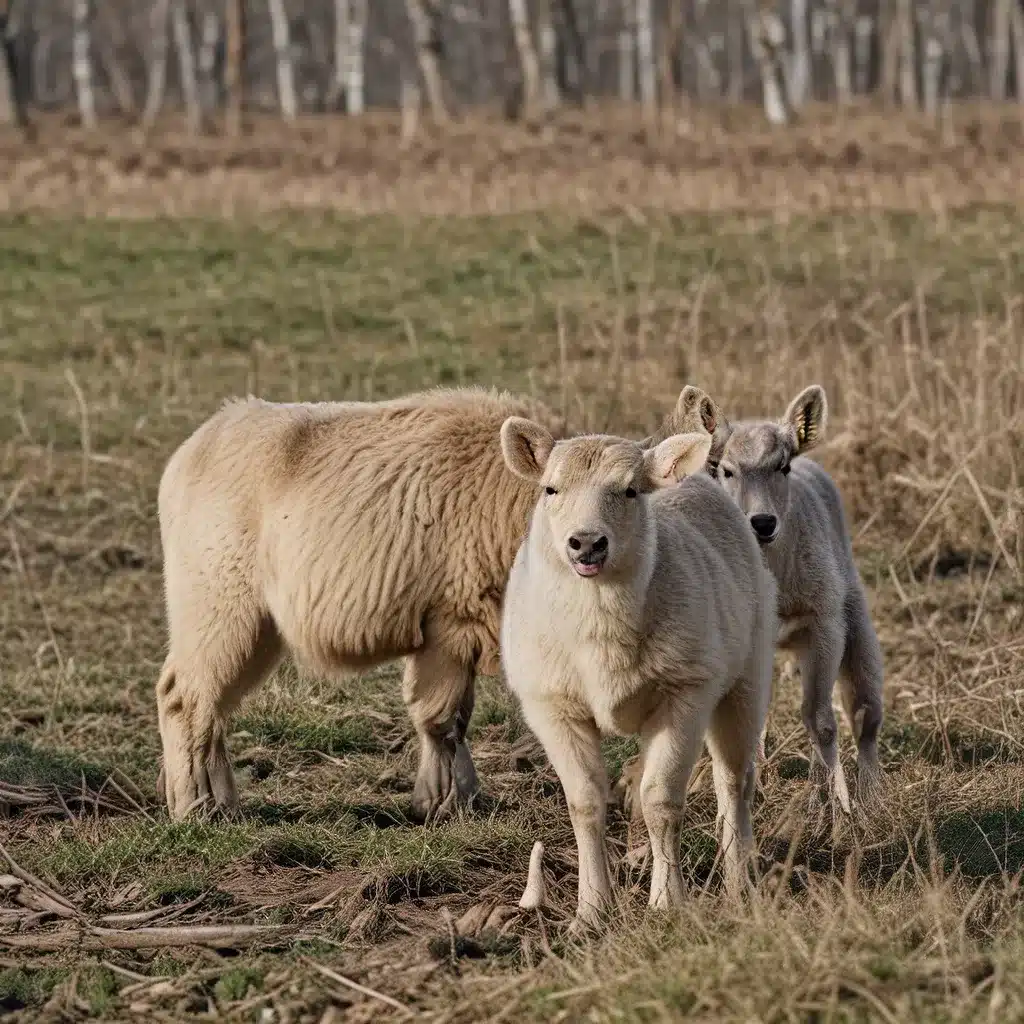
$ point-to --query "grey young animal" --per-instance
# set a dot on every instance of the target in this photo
(638, 605)
(796, 513)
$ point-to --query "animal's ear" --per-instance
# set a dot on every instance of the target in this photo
(808, 416)
(676, 457)
(525, 446)
(695, 410)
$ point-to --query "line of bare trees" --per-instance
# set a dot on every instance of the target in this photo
(215, 58)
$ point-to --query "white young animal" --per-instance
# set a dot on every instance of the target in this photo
(638, 606)
(796, 513)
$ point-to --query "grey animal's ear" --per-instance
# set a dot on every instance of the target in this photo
(695, 410)
(808, 416)
(525, 446)
(676, 457)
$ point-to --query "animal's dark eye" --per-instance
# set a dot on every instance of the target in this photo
(785, 469)
(550, 490)
(727, 473)
(630, 492)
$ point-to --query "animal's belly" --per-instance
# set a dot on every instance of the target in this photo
(792, 629)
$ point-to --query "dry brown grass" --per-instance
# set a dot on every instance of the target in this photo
(120, 336)
(696, 160)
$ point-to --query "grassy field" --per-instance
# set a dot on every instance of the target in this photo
(119, 336)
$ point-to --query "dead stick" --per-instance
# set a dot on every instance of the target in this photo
(215, 936)
(38, 883)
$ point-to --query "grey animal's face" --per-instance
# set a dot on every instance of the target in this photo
(755, 465)
(592, 505)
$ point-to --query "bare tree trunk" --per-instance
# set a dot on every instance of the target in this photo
(186, 66)
(863, 34)
(999, 44)
(627, 51)
(1017, 27)
(12, 110)
(110, 39)
(888, 34)
(283, 56)
(519, 17)
(349, 35)
(669, 52)
(767, 37)
(425, 18)
(643, 18)
(547, 45)
(839, 18)
(156, 79)
(734, 50)
(907, 54)
(800, 61)
(576, 52)
(209, 36)
(234, 64)
(81, 62)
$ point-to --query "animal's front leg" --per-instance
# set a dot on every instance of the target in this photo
(573, 747)
(672, 740)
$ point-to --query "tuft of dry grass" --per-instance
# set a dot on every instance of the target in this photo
(121, 335)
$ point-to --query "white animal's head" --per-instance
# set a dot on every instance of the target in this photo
(593, 509)
(754, 468)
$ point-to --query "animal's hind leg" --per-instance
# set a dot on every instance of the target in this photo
(195, 696)
(819, 667)
(438, 691)
(733, 739)
(860, 685)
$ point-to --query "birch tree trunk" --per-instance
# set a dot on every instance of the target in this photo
(734, 49)
(209, 36)
(669, 52)
(576, 52)
(349, 35)
(156, 73)
(800, 60)
(424, 16)
(186, 66)
(529, 65)
(907, 54)
(863, 34)
(999, 48)
(839, 18)
(81, 62)
(767, 37)
(234, 64)
(11, 108)
(281, 37)
(644, 20)
(110, 39)
(1017, 29)
(548, 46)
(627, 51)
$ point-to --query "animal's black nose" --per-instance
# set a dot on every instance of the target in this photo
(764, 526)
(586, 546)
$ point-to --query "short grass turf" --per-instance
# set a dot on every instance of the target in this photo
(118, 338)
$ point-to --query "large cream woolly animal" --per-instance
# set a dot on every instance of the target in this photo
(796, 513)
(349, 534)
(638, 605)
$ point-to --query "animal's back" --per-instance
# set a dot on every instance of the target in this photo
(360, 524)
